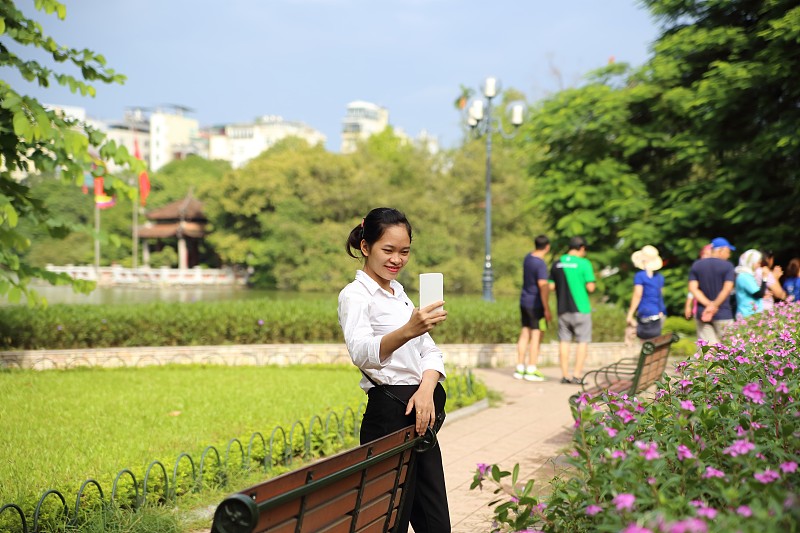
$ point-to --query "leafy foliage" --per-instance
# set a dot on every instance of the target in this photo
(312, 319)
(34, 138)
(715, 449)
(288, 212)
(699, 142)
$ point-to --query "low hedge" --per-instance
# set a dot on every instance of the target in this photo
(470, 320)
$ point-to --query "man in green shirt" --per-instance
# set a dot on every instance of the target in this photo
(572, 278)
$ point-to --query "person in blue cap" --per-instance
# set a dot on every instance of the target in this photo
(711, 281)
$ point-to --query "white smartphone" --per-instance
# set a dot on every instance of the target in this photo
(431, 288)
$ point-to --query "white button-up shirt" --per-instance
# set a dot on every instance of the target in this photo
(367, 313)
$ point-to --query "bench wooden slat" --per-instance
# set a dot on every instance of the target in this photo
(379, 491)
(366, 483)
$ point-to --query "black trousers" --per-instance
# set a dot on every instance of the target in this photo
(426, 499)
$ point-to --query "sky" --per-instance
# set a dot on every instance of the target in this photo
(305, 60)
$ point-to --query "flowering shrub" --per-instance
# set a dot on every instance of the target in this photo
(716, 449)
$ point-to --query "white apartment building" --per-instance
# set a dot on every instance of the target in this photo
(362, 120)
(239, 143)
(172, 135)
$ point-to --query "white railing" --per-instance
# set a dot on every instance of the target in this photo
(117, 275)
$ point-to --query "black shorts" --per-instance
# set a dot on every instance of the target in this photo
(531, 317)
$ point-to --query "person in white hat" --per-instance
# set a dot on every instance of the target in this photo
(647, 301)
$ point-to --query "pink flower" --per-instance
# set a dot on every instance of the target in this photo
(707, 512)
(739, 447)
(625, 416)
(789, 467)
(713, 472)
(754, 392)
(767, 476)
(687, 405)
(618, 454)
(690, 525)
(684, 453)
(744, 510)
(483, 468)
(611, 431)
(624, 501)
(782, 387)
(593, 510)
(649, 450)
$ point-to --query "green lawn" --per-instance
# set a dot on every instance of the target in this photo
(62, 427)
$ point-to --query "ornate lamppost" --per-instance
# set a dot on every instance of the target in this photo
(479, 118)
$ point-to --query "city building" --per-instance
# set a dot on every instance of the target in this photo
(362, 120)
(172, 135)
(239, 143)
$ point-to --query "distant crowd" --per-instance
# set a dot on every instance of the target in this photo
(718, 294)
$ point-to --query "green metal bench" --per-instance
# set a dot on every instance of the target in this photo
(631, 375)
(360, 490)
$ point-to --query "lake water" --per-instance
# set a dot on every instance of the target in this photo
(132, 295)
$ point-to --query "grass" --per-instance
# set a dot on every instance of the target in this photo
(60, 428)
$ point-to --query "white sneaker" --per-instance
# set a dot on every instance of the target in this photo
(519, 373)
(534, 375)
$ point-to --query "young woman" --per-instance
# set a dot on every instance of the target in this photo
(388, 340)
(647, 301)
(750, 291)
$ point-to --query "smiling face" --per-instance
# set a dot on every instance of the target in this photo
(388, 255)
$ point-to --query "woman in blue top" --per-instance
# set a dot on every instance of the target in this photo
(647, 300)
(791, 281)
(749, 292)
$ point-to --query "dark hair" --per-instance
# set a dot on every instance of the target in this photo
(792, 269)
(576, 243)
(541, 242)
(372, 227)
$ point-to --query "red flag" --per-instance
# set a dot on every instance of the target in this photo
(144, 179)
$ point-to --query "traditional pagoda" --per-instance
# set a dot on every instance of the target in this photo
(182, 220)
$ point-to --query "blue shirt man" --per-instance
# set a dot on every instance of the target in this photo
(711, 281)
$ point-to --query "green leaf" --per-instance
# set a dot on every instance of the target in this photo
(14, 295)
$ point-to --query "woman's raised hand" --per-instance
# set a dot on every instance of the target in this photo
(425, 318)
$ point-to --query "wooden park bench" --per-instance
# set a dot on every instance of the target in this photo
(360, 490)
(631, 375)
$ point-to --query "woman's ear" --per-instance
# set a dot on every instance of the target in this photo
(364, 248)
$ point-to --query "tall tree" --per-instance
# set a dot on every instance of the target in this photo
(700, 141)
(34, 139)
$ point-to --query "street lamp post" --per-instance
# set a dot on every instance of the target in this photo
(483, 124)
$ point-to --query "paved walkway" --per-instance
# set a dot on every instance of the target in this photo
(532, 426)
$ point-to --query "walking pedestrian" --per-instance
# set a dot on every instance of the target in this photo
(572, 277)
(534, 306)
